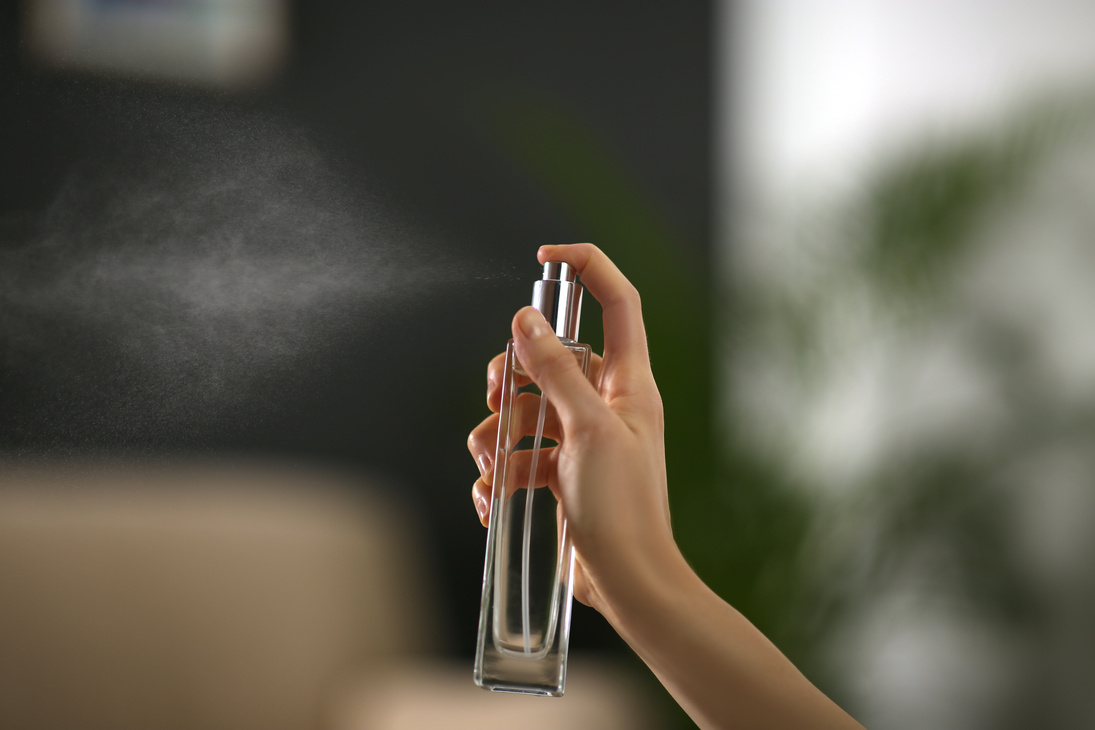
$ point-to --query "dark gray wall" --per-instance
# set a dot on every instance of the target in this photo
(321, 270)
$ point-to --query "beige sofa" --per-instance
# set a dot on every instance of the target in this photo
(238, 596)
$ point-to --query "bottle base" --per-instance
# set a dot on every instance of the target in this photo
(503, 674)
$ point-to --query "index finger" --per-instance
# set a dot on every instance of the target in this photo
(625, 334)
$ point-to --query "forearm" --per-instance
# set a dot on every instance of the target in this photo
(714, 662)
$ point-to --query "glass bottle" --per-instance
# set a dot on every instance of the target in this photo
(524, 618)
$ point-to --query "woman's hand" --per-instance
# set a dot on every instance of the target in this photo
(609, 467)
(609, 473)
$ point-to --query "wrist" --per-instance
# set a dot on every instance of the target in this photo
(647, 587)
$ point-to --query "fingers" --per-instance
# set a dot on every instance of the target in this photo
(556, 371)
(625, 335)
(496, 368)
(482, 442)
(480, 495)
(483, 439)
(518, 469)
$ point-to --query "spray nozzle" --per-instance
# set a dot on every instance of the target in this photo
(558, 296)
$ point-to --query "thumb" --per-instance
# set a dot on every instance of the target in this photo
(554, 368)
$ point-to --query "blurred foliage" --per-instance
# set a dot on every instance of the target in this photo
(920, 211)
(934, 513)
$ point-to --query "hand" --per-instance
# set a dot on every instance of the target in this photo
(609, 467)
(608, 471)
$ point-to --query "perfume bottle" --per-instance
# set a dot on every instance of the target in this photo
(524, 618)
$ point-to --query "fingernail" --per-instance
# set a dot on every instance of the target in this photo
(490, 385)
(481, 508)
(484, 464)
(532, 323)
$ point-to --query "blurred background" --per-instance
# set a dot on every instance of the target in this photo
(906, 345)
(255, 254)
(280, 241)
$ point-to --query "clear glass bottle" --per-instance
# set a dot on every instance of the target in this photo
(524, 619)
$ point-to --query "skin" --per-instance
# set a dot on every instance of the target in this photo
(608, 471)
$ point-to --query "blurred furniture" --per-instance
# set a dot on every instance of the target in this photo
(237, 596)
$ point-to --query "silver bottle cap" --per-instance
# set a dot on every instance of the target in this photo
(558, 296)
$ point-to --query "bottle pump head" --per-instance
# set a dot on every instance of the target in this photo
(558, 296)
